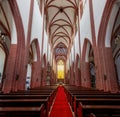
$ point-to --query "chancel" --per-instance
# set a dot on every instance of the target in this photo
(59, 58)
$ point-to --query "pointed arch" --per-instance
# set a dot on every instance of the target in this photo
(36, 49)
(4, 52)
(104, 22)
(16, 60)
(105, 57)
(85, 71)
(34, 63)
(86, 47)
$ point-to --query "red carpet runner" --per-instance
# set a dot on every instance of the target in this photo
(61, 107)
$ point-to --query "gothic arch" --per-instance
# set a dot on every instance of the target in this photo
(104, 22)
(115, 40)
(15, 68)
(85, 49)
(104, 55)
(4, 52)
(36, 49)
(34, 79)
(85, 64)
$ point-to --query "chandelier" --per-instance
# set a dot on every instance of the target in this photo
(117, 39)
(2, 37)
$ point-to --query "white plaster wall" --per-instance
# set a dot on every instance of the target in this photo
(45, 46)
(98, 8)
(37, 24)
(11, 22)
(87, 53)
(2, 61)
(70, 60)
(85, 27)
(29, 71)
(34, 51)
(71, 56)
(72, 53)
(76, 43)
(24, 8)
(110, 26)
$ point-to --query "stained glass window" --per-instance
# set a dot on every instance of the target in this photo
(60, 69)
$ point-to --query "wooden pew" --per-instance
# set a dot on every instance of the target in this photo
(93, 98)
(46, 91)
(95, 101)
(23, 96)
(25, 103)
(89, 94)
(28, 100)
(27, 97)
(98, 110)
(22, 111)
(70, 92)
(75, 98)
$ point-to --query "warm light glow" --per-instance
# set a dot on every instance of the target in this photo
(60, 69)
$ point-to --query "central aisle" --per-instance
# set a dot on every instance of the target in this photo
(61, 107)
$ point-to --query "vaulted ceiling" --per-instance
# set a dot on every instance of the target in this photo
(61, 25)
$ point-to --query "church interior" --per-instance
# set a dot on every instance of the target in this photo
(60, 58)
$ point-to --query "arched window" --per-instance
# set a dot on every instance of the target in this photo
(60, 69)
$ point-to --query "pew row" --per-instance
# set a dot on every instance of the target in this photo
(22, 111)
(84, 100)
(98, 110)
(35, 101)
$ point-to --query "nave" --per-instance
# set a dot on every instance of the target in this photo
(53, 50)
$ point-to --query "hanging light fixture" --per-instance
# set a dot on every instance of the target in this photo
(117, 40)
(2, 37)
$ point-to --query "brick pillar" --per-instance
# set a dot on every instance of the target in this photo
(9, 72)
(19, 80)
(71, 77)
(110, 76)
(44, 76)
(85, 74)
(35, 77)
(77, 77)
(74, 77)
(105, 69)
(52, 79)
(98, 60)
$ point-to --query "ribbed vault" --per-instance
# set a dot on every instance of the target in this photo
(61, 25)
